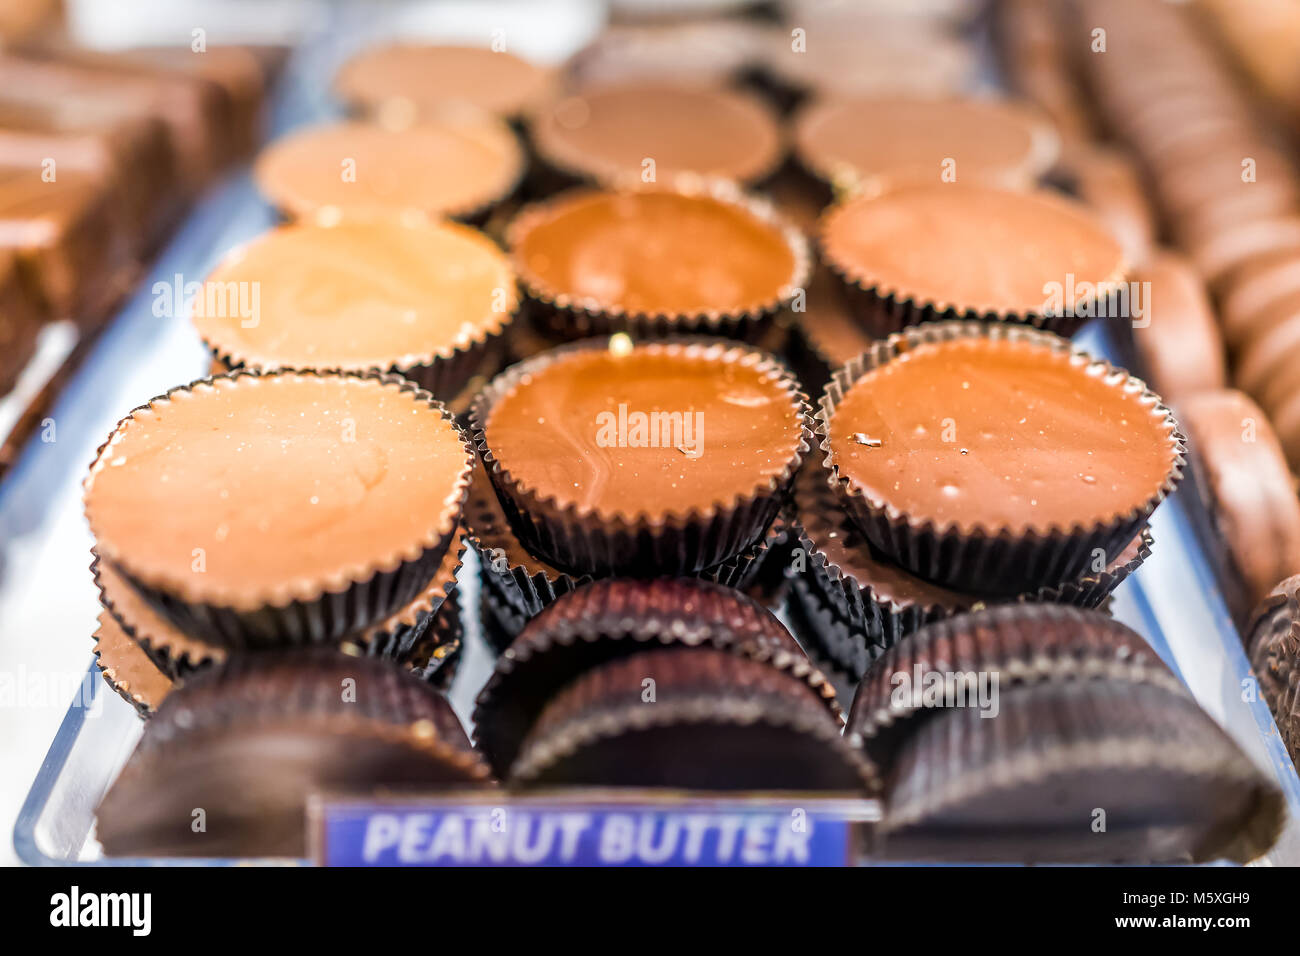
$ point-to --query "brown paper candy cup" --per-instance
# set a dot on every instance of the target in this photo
(975, 559)
(614, 618)
(651, 544)
(328, 615)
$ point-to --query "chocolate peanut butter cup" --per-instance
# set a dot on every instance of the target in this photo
(879, 603)
(404, 80)
(690, 718)
(994, 458)
(1273, 644)
(631, 133)
(984, 653)
(528, 584)
(130, 631)
(922, 252)
(249, 741)
(458, 168)
(651, 459)
(869, 143)
(1076, 772)
(431, 301)
(127, 668)
(287, 508)
(1239, 470)
(701, 257)
(615, 618)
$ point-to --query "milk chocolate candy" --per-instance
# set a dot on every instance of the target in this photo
(993, 458)
(1177, 341)
(74, 257)
(1273, 643)
(430, 301)
(127, 669)
(133, 152)
(282, 527)
(612, 619)
(247, 743)
(690, 718)
(190, 107)
(460, 167)
(588, 483)
(868, 143)
(406, 80)
(20, 322)
(942, 250)
(632, 133)
(695, 258)
(1241, 474)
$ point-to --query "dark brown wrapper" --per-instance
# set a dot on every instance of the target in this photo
(651, 545)
(251, 740)
(713, 721)
(1028, 785)
(528, 584)
(127, 669)
(1009, 645)
(1273, 644)
(614, 618)
(436, 656)
(444, 376)
(332, 615)
(975, 559)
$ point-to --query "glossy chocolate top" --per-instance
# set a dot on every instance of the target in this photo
(972, 248)
(654, 252)
(250, 490)
(914, 138)
(609, 133)
(664, 428)
(1000, 434)
(429, 77)
(441, 168)
(355, 295)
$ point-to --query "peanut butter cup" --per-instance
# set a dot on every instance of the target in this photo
(257, 510)
(403, 80)
(868, 143)
(459, 168)
(994, 458)
(132, 634)
(653, 132)
(701, 258)
(127, 668)
(250, 741)
(690, 718)
(430, 301)
(615, 618)
(950, 250)
(878, 603)
(656, 458)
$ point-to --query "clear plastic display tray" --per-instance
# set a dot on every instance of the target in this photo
(1174, 600)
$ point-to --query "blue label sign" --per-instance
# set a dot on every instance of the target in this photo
(574, 832)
